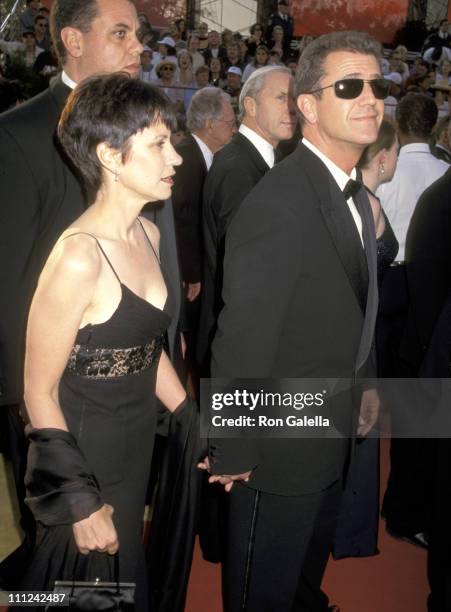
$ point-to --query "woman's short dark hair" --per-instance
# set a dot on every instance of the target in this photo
(385, 139)
(110, 109)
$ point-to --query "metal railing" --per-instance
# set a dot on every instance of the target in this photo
(9, 18)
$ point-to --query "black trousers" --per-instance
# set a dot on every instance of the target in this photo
(277, 550)
(439, 559)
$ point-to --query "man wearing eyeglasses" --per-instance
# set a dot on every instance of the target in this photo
(300, 301)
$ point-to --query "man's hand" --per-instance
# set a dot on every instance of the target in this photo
(369, 411)
(192, 291)
(225, 479)
(97, 532)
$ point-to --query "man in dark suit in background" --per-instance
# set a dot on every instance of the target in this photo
(40, 194)
(300, 300)
(428, 271)
(268, 116)
(440, 145)
(211, 120)
(282, 18)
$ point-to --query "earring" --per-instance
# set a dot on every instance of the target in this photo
(381, 168)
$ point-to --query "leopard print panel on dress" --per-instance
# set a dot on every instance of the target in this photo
(112, 363)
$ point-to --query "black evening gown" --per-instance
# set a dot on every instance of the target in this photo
(107, 395)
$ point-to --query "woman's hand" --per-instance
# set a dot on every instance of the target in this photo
(97, 532)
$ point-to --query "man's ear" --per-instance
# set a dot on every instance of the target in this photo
(73, 41)
(306, 103)
(250, 106)
(110, 159)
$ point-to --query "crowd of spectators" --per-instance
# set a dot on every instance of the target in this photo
(180, 60)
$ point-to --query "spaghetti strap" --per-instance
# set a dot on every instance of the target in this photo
(149, 241)
(101, 250)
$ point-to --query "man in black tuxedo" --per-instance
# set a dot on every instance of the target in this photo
(439, 38)
(40, 194)
(300, 300)
(281, 18)
(211, 120)
(268, 116)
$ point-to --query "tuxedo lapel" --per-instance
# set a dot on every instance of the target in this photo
(340, 224)
(369, 238)
(252, 152)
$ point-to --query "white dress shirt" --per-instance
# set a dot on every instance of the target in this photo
(265, 149)
(341, 178)
(68, 81)
(207, 154)
(417, 169)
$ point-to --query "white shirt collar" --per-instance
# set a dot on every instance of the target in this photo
(339, 175)
(341, 178)
(207, 154)
(68, 81)
(265, 148)
(415, 147)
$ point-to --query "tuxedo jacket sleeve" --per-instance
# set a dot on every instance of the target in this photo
(187, 202)
(40, 198)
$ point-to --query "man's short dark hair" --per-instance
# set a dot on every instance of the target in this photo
(40, 18)
(111, 109)
(70, 13)
(310, 70)
(26, 33)
(416, 115)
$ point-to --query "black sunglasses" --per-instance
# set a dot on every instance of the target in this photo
(348, 89)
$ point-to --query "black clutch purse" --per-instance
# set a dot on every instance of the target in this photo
(89, 596)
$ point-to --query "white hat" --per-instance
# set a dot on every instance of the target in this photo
(235, 70)
(394, 77)
(167, 40)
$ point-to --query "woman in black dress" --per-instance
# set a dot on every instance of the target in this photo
(378, 165)
(95, 359)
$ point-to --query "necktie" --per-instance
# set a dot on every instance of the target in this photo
(351, 189)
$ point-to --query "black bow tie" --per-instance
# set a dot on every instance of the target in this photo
(351, 189)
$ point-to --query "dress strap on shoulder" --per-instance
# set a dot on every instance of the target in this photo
(101, 250)
(149, 241)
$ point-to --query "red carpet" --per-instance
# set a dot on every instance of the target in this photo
(394, 581)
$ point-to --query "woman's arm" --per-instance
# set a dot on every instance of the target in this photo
(169, 389)
(65, 290)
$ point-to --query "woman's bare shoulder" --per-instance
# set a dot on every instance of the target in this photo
(75, 256)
